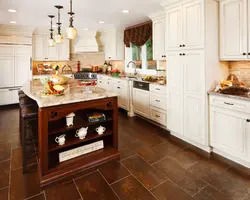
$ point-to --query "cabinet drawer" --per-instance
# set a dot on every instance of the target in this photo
(6, 50)
(230, 103)
(158, 101)
(160, 89)
(120, 82)
(158, 115)
(23, 51)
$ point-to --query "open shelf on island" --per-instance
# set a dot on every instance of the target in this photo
(72, 140)
(84, 160)
(60, 125)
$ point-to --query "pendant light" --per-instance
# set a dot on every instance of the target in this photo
(51, 41)
(71, 31)
(59, 37)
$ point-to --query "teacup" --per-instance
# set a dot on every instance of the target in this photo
(61, 139)
(81, 133)
(100, 130)
(70, 119)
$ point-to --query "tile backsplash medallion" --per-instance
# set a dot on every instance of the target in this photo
(86, 59)
(242, 70)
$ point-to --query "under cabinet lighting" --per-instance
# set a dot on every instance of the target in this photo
(125, 11)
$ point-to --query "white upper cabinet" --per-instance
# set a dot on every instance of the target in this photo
(193, 25)
(39, 47)
(113, 44)
(174, 28)
(159, 34)
(233, 30)
(185, 26)
(42, 51)
(22, 70)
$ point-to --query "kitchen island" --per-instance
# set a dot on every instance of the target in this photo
(75, 155)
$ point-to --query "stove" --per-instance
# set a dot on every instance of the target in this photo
(85, 76)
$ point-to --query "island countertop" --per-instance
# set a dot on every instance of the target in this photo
(72, 94)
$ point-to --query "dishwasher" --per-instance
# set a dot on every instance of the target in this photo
(141, 98)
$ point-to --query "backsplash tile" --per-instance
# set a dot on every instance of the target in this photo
(242, 70)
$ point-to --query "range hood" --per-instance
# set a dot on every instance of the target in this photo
(86, 42)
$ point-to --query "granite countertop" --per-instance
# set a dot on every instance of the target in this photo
(242, 97)
(72, 94)
(131, 79)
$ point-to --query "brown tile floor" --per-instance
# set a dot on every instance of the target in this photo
(152, 166)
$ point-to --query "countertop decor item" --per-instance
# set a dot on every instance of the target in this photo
(61, 139)
(59, 79)
(115, 72)
(81, 133)
(70, 119)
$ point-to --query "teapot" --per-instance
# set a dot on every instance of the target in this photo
(100, 130)
(81, 133)
(61, 139)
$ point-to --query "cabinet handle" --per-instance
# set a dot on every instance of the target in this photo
(180, 45)
(180, 54)
(157, 100)
(118, 88)
(157, 88)
(183, 45)
(244, 54)
(248, 120)
(184, 54)
(249, 53)
(231, 104)
(14, 89)
(157, 115)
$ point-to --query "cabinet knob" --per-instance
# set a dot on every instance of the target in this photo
(184, 54)
(180, 54)
(248, 120)
(183, 45)
(249, 53)
(244, 54)
(180, 45)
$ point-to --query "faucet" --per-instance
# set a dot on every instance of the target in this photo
(135, 72)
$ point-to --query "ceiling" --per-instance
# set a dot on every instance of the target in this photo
(87, 12)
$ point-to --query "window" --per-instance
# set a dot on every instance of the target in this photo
(143, 58)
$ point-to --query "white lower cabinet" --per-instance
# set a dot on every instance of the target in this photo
(230, 133)
(158, 115)
(9, 96)
(122, 92)
(141, 102)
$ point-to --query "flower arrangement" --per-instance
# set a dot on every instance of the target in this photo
(115, 72)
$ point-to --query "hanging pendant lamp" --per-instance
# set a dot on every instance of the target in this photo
(59, 37)
(51, 40)
(71, 31)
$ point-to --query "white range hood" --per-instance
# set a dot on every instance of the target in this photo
(86, 42)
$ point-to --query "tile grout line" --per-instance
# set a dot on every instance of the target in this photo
(85, 174)
(119, 179)
(159, 184)
(44, 195)
(77, 189)
(127, 157)
(199, 190)
(140, 182)
(33, 196)
(10, 172)
(108, 184)
(5, 160)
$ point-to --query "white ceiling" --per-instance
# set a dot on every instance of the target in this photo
(87, 12)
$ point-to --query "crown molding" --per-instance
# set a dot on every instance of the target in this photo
(16, 30)
(157, 15)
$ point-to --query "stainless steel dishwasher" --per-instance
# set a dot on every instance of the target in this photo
(141, 99)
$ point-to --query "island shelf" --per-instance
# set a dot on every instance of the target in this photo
(52, 123)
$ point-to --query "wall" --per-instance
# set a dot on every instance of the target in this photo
(86, 59)
(241, 69)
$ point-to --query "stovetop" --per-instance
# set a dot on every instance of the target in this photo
(85, 76)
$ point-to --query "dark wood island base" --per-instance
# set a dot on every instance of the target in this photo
(52, 123)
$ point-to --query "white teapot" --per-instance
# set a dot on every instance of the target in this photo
(61, 139)
(100, 130)
(81, 133)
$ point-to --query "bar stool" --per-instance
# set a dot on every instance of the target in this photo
(29, 116)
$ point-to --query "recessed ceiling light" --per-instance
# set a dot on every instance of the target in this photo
(125, 11)
(12, 22)
(12, 10)
(101, 22)
(86, 29)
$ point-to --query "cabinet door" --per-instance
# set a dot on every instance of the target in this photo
(141, 102)
(159, 39)
(23, 51)
(22, 70)
(6, 97)
(52, 52)
(39, 47)
(228, 132)
(193, 25)
(110, 45)
(63, 50)
(122, 93)
(7, 72)
(174, 28)
(233, 30)
(194, 96)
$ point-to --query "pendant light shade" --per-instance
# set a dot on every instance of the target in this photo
(59, 37)
(51, 41)
(71, 31)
